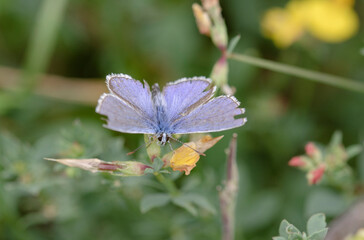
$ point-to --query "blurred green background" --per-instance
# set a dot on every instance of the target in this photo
(157, 40)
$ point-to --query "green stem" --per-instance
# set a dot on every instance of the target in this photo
(335, 81)
(167, 183)
(43, 41)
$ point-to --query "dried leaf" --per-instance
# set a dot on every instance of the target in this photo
(85, 164)
(122, 168)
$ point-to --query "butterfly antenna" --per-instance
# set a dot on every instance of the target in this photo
(145, 144)
(175, 139)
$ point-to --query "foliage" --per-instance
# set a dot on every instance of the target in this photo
(158, 41)
(316, 229)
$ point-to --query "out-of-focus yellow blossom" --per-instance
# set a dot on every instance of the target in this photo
(185, 157)
(348, 3)
(281, 26)
(328, 20)
(298, 9)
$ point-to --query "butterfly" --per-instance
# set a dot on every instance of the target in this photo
(182, 107)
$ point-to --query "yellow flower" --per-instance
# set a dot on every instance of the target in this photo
(281, 26)
(185, 158)
(330, 21)
(348, 3)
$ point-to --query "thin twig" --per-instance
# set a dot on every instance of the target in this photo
(328, 79)
(79, 90)
(229, 193)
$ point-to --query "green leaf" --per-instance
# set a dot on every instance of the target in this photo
(353, 150)
(261, 209)
(336, 139)
(320, 235)
(233, 44)
(157, 164)
(279, 238)
(185, 203)
(149, 171)
(154, 200)
(295, 236)
(326, 201)
(316, 223)
(291, 230)
(283, 228)
(200, 201)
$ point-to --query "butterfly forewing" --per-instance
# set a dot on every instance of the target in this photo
(216, 115)
(186, 94)
(132, 92)
(122, 117)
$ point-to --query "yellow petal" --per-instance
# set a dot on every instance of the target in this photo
(206, 142)
(184, 158)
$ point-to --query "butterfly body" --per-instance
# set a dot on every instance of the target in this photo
(184, 106)
(163, 129)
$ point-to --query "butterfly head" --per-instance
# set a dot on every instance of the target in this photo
(163, 138)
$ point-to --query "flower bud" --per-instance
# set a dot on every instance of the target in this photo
(207, 4)
(122, 168)
(311, 150)
(125, 168)
(315, 175)
(202, 19)
(153, 150)
(297, 162)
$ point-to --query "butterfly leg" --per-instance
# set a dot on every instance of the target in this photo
(170, 146)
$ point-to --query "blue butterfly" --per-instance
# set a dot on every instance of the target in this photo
(182, 107)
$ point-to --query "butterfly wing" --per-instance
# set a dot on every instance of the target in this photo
(132, 92)
(184, 95)
(129, 106)
(218, 114)
(122, 117)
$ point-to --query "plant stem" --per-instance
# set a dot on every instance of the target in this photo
(328, 79)
(229, 193)
(167, 183)
(43, 41)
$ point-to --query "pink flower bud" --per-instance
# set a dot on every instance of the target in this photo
(296, 162)
(311, 149)
(315, 175)
(202, 19)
